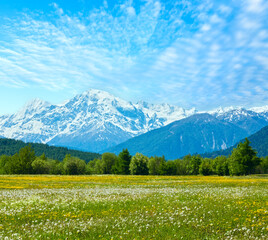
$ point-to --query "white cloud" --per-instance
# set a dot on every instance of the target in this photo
(59, 10)
(205, 27)
(225, 9)
(255, 6)
(131, 11)
(215, 19)
(189, 54)
(105, 4)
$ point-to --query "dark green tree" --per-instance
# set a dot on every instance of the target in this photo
(108, 161)
(4, 159)
(156, 165)
(205, 168)
(55, 167)
(122, 163)
(73, 165)
(43, 157)
(221, 166)
(169, 168)
(243, 159)
(139, 165)
(26, 158)
(262, 168)
(13, 165)
(40, 166)
(182, 165)
(194, 164)
(94, 167)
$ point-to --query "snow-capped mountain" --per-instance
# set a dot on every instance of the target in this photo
(251, 120)
(91, 121)
(96, 120)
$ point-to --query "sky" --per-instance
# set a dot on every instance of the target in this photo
(203, 53)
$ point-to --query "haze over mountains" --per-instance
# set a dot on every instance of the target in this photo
(96, 120)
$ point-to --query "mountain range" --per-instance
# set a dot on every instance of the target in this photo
(96, 120)
(91, 121)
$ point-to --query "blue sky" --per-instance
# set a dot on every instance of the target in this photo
(202, 54)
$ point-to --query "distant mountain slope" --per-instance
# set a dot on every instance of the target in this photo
(258, 141)
(196, 134)
(10, 147)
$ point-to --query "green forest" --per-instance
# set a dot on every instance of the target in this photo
(10, 147)
(242, 161)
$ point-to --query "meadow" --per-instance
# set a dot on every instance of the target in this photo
(133, 207)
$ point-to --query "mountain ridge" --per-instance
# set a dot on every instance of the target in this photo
(90, 121)
(96, 120)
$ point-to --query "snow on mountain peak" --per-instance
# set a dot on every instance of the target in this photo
(96, 119)
(263, 109)
(97, 94)
(34, 106)
(36, 103)
(222, 110)
(99, 97)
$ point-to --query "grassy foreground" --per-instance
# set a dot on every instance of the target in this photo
(133, 207)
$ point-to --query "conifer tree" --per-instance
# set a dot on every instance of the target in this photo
(243, 159)
(124, 159)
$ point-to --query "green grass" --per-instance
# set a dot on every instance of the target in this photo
(133, 207)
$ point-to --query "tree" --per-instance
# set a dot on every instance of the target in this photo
(139, 165)
(40, 166)
(108, 160)
(122, 163)
(13, 165)
(221, 168)
(243, 159)
(73, 165)
(26, 157)
(169, 168)
(55, 166)
(43, 157)
(262, 168)
(94, 166)
(182, 165)
(205, 168)
(156, 165)
(4, 159)
(194, 164)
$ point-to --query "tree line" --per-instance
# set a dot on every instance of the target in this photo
(242, 161)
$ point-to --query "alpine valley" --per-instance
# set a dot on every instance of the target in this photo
(98, 121)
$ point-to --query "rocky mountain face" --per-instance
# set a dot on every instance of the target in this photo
(96, 120)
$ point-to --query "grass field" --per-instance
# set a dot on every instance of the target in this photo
(133, 207)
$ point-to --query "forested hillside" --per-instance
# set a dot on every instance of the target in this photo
(10, 147)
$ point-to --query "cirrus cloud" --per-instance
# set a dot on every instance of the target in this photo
(201, 53)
